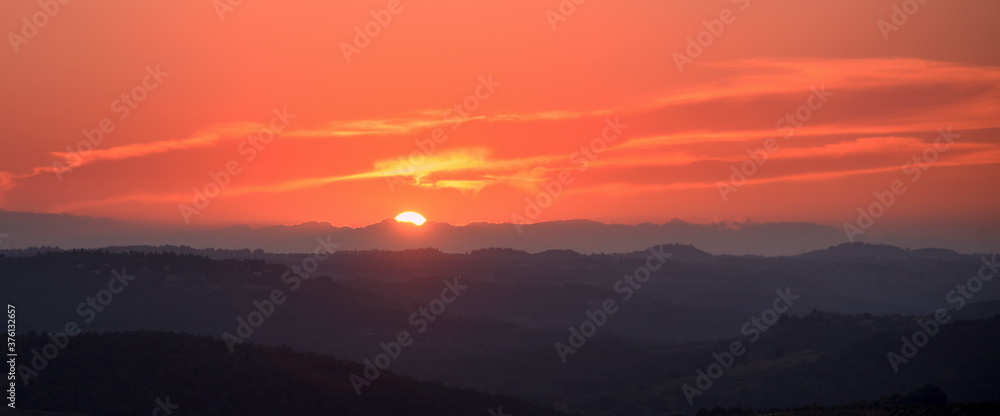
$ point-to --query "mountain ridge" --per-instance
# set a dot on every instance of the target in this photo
(25, 229)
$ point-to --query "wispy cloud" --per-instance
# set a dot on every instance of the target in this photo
(970, 101)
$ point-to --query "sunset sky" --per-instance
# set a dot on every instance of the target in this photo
(206, 82)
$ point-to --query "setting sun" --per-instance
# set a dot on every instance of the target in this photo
(410, 216)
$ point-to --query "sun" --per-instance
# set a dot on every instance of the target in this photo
(410, 216)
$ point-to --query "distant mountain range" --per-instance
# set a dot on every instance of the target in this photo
(22, 229)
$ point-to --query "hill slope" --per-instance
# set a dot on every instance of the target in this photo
(125, 373)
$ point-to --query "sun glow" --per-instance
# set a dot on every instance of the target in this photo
(412, 217)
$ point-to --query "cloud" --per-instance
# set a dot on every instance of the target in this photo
(138, 149)
(965, 97)
(67, 161)
(748, 78)
(623, 189)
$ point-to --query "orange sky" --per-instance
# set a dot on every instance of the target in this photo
(553, 91)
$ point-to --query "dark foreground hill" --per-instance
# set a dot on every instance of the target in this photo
(114, 374)
(136, 372)
(499, 334)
